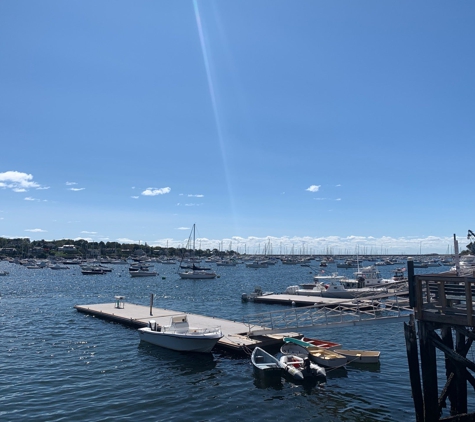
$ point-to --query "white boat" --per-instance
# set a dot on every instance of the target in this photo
(301, 368)
(226, 263)
(250, 297)
(264, 363)
(197, 274)
(4, 273)
(257, 264)
(142, 272)
(359, 356)
(59, 267)
(178, 335)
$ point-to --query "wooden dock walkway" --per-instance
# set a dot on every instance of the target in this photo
(319, 301)
(236, 334)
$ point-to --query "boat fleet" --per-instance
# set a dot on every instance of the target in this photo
(307, 360)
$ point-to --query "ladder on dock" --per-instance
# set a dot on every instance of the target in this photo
(322, 316)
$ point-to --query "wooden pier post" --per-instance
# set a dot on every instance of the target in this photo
(413, 362)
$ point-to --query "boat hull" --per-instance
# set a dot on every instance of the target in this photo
(360, 356)
(264, 364)
(202, 343)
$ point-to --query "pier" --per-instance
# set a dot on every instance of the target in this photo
(443, 322)
(236, 339)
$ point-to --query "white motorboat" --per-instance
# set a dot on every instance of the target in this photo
(251, 297)
(197, 274)
(257, 264)
(264, 363)
(178, 335)
(142, 272)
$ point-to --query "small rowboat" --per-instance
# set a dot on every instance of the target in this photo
(360, 356)
(319, 355)
(265, 364)
(325, 344)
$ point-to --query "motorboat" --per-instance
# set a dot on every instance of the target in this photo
(264, 363)
(196, 273)
(257, 264)
(319, 355)
(250, 297)
(360, 356)
(142, 272)
(178, 335)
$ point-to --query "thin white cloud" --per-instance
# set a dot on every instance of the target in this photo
(338, 185)
(313, 188)
(36, 230)
(71, 183)
(43, 188)
(76, 189)
(183, 228)
(192, 205)
(29, 198)
(86, 232)
(135, 197)
(338, 199)
(17, 181)
(320, 199)
(196, 196)
(155, 191)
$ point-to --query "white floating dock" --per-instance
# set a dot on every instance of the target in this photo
(235, 338)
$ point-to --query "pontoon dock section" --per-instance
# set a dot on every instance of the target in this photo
(235, 339)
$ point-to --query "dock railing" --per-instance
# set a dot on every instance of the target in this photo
(317, 316)
(444, 298)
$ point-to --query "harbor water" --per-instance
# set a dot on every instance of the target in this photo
(57, 364)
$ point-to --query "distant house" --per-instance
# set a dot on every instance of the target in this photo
(8, 251)
(67, 248)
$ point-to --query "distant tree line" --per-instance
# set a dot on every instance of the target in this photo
(24, 248)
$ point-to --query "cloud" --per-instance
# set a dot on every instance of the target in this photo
(36, 230)
(338, 199)
(338, 185)
(76, 189)
(17, 181)
(86, 232)
(135, 197)
(155, 191)
(192, 205)
(29, 198)
(196, 196)
(320, 199)
(71, 183)
(313, 188)
(183, 228)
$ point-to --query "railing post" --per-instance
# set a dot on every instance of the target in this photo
(411, 282)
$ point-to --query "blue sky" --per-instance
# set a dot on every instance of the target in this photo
(307, 125)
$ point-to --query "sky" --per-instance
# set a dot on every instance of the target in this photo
(272, 125)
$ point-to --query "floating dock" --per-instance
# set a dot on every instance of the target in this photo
(235, 339)
(319, 301)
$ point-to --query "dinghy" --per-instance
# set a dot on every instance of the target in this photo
(360, 356)
(320, 356)
(265, 364)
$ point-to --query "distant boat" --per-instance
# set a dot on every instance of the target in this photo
(4, 273)
(142, 272)
(195, 272)
(178, 335)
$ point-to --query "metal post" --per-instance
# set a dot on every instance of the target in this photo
(411, 282)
